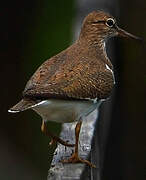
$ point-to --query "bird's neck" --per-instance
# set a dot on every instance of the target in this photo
(97, 47)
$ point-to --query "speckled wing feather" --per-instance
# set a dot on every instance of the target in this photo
(71, 74)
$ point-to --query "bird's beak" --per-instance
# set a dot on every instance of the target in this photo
(125, 34)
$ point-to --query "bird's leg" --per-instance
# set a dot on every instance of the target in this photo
(54, 138)
(75, 157)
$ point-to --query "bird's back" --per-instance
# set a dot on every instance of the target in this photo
(75, 73)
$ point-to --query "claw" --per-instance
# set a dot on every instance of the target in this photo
(52, 142)
(76, 159)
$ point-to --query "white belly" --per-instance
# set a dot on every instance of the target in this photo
(64, 111)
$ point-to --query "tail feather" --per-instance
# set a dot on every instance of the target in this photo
(23, 105)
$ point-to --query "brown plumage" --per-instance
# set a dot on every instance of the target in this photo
(74, 73)
(70, 85)
(78, 72)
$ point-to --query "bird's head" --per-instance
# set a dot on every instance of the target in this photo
(99, 25)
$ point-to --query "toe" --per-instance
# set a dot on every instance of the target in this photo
(75, 159)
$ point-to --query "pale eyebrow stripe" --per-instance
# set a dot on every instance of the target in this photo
(96, 22)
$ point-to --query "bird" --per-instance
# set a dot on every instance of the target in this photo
(72, 84)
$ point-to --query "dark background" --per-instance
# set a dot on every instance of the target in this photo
(33, 31)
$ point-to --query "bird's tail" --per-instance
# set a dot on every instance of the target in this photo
(23, 105)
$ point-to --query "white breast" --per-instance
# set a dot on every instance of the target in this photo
(64, 110)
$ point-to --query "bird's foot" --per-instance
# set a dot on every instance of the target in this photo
(76, 159)
(56, 139)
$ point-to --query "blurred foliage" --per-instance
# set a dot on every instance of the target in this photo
(49, 32)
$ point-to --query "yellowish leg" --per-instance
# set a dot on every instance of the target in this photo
(54, 138)
(75, 157)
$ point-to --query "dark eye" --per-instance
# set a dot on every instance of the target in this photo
(110, 22)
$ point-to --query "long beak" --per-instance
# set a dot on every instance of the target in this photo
(125, 34)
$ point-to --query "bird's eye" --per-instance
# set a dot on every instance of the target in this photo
(110, 22)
